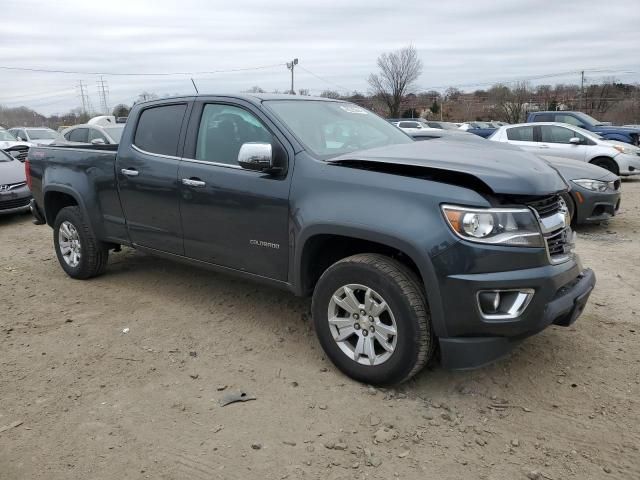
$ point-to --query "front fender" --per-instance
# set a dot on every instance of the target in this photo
(362, 232)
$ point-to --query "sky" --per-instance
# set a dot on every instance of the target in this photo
(230, 46)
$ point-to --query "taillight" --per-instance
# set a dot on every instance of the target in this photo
(27, 172)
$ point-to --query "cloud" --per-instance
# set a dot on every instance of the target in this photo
(460, 43)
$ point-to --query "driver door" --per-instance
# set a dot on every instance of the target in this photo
(233, 217)
(554, 140)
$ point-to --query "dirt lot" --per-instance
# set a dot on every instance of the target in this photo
(97, 403)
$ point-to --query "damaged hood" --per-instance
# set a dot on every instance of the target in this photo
(503, 168)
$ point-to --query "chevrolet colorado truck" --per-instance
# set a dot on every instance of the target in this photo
(405, 247)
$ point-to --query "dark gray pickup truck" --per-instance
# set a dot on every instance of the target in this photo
(404, 246)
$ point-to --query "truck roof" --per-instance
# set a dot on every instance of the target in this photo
(249, 97)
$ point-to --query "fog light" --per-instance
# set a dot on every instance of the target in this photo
(504, 304)
(489, 301)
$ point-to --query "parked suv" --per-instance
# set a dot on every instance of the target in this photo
(568, 141)
(587, 122)
(402, 245)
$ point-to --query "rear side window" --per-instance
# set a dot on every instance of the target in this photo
(520, 134)
(158, 129)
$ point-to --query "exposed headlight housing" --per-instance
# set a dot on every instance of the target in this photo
(593, 185)
(516, 227)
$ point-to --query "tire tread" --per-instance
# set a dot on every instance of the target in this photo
(410, 286)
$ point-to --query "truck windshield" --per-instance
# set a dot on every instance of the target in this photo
(588, 119)
(329, 129)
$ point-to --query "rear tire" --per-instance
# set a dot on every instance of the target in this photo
(381, 296)
(607, 164)
(80, 254)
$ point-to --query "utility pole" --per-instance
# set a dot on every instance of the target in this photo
(581, 89)
(103, 92)
(291, 65)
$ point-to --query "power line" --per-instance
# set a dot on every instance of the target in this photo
(323, 79)
(140, 74)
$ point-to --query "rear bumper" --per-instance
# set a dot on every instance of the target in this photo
(38, 217)
(486, 342)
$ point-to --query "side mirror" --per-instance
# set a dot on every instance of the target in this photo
(19, 138)
(256, 156)
(575, 141)
(98, 141)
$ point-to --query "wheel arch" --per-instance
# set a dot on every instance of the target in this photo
(56, 198)
(322, 246)
(605, 158)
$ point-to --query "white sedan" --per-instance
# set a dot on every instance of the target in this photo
(410, 126)
(568, 141)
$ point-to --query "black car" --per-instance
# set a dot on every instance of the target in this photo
(14, 192)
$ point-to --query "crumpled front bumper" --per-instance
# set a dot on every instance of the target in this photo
(561, 308)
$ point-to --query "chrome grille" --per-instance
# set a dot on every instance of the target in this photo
(553, 216)
(547, 206)
(22, 152)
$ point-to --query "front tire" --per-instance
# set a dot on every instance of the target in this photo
(371, 317)
(80, 254)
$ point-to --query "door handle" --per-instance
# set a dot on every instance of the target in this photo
(543, 146)
(193, 182)
(130, 172)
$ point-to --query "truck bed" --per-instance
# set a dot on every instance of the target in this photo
(91, 171)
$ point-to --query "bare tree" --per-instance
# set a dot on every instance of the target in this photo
(120, 110)
(510, 102)
(330, 94)
(255, 89)
(398, 72)
(304, 91)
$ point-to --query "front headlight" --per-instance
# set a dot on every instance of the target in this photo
(516, 227)
(593, 185)
(627, 150)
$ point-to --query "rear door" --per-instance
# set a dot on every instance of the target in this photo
(231, 216)
(147, 173)
(523, 137)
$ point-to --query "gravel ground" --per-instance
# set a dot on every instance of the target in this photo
(97, 403)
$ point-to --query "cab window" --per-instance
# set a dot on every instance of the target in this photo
(223, 130)
(158, 129)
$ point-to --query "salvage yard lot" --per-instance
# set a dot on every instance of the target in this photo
(98, 403)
